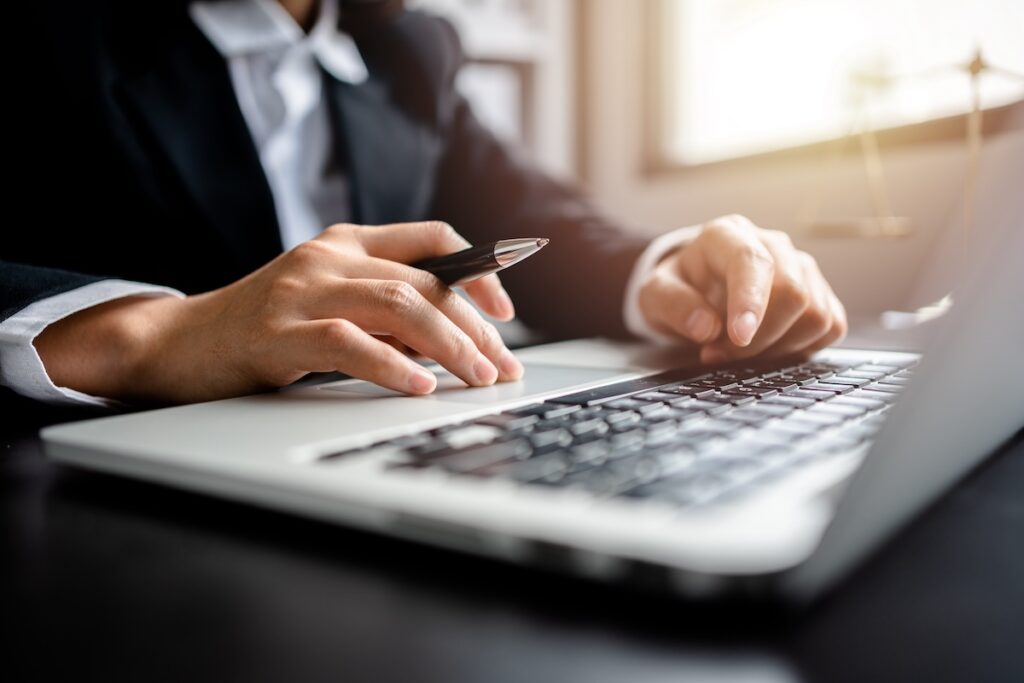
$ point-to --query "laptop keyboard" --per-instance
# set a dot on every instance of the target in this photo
(674, 437)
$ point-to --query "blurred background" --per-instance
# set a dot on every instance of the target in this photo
(879, 133)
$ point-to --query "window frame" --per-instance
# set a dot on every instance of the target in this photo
(655, 163)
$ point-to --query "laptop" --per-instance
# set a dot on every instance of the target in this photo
(614, 462)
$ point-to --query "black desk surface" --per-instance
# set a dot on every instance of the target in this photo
(109, 579)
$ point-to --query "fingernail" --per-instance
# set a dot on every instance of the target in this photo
(505, 306)
(699, 324)
(744, 327)
(712, 356)
(484, 370)
(511, 368)
(421, 381)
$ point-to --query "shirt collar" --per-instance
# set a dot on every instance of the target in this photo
(242, 28)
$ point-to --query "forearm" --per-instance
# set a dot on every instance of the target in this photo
(51, 297)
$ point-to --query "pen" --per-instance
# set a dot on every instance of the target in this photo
(475, 262)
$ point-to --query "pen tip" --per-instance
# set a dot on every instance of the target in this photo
(541, 241)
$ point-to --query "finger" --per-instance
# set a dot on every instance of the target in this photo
(839, 326)
(396, 308)
(790, 295)
(816, 320)
(395, 344)
(788, 303)
(731, 252)
(674, 306)
(489, 295)
(483, 333)
(409, 242)
(339, 345)
(823, 324)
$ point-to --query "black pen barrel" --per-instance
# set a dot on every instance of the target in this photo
(469, 263)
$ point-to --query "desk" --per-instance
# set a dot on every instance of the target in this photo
(118, 580)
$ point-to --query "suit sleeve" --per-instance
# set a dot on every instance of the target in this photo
(22, 285)
(487, 191)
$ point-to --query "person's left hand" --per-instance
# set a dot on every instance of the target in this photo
(739, 291)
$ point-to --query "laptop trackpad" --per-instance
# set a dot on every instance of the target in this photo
(537, 379)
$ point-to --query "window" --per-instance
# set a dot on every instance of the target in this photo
(749, 76)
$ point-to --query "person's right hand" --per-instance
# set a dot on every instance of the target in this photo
(316, 308)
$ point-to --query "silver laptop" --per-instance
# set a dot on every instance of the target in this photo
(612, 463)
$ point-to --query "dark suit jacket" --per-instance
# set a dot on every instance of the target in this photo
(134, 161)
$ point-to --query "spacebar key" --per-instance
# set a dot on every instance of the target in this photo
(610, 392)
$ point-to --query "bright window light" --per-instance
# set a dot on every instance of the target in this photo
(749, 76)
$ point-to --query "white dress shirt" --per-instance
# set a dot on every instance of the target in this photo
(275, 73)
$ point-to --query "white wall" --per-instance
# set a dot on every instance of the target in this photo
(924, 182)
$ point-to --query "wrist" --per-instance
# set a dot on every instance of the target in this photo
(105, 350)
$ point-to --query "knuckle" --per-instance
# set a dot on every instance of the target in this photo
(808, 261)
(286, 288)
(792, 292)
(336, 333)
(488, 335)
(443, 232)
(780, 237)
(435, 290)
(819, 320)
(755, 254)
(462, 346)
(340, 229)
(310, 253)
(398, 295)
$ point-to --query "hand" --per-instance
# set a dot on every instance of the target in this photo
(739, 291)
(315, 308)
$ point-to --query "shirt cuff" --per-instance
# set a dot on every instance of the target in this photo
(645, 265)
(22, 370)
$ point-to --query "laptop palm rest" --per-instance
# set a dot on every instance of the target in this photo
(538, 379)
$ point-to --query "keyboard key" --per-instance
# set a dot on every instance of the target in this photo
(710, 407)
(846, 379)
(546, 411)
(659, 396)
(475, 457)
(618, 390)
(831, 408)
(593, 426)
(780, 385)
(508, 421)
(898, 381)
(790, 400)
(627, 404)
(808, 427)
(553, 439)
(549, 468)
(748, 416)
(686, 414)
(773, 410)
(813, 394)
(866, 374)
(866, 403)
(798, 378)
(620, 417)
(875, 367)
(593, 453)
(826, 386)
(752, 390)
(884, 396)
(718, 383)
(731, 399)
(810, 416)
(886, 388)
(686, 489)
(690, 391)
